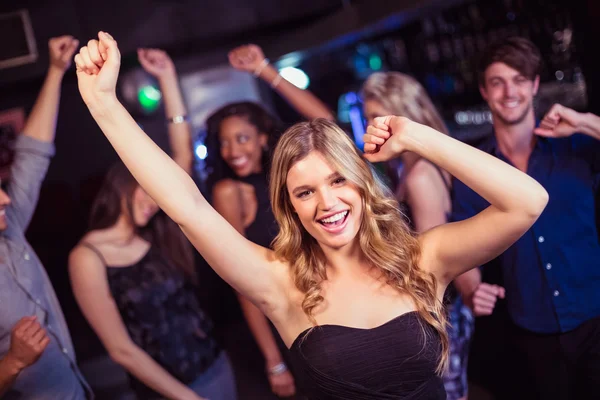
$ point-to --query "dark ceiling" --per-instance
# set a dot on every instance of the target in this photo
(209, 28)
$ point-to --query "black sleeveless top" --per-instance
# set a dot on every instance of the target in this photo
(162, 316)
(393, 361)
(264, 228)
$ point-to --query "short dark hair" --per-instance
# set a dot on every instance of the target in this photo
(516, 52)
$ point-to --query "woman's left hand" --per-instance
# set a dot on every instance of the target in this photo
(382, 139)
(282, 384)
(156, 62)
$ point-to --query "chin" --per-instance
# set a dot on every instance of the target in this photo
(242, 173)
(338, 244)
(347, 238)
(513, 117)
(141, 222)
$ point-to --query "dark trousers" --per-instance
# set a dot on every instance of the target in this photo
(563, 366)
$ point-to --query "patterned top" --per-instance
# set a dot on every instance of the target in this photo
(163, 317)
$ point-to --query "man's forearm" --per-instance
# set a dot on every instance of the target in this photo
(41, 123)
(590, 125)
(8, 374)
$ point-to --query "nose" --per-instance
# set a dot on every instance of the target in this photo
(235, 150)
(327, 199)
(510, 90)
(4, 198)
(150, 202)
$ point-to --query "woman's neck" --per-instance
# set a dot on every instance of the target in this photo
(348, 260)
(123, 230)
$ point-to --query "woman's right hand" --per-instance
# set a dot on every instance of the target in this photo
(246, 58)
(98, 66)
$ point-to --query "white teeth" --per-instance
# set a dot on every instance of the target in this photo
(511, 104)
(239, 161)
(2, 212)
(335, 217)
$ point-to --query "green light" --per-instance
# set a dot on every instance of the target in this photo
(149, 98)
(375, 62)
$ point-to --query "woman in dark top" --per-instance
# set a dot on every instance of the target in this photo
(390, 361)
(345, 268)
(132, 275)
(239, 138)
(424, 189)
(132, 272)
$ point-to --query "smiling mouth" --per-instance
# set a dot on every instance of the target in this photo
(335, 219)
(239, 161)
(510, 104)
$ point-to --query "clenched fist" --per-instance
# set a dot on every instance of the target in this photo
(157, 63)
(483, 299)
(61, 51)
(246, 58)
(98, 66)
(27, 343)
(382, 139)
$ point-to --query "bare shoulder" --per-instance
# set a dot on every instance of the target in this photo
(82, 254)
(226, 188)
(425, 179)
(421, 173)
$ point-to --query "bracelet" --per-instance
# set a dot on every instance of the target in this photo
(276, 81)
(178, 119)
(262, 66)
(278, 369)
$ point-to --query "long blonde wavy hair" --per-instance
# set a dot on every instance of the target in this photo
(385, 238)
(403, 95)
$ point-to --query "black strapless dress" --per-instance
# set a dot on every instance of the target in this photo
(396, 360)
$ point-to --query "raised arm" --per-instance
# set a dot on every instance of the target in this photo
(35, 146)
(41, 123)
(90, 286)
(172, 188)
(158, 64)
(516, 200)
(479, 296)
(250, 58)
(561, 121)
(228, 202)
